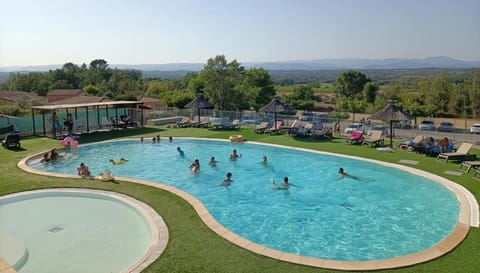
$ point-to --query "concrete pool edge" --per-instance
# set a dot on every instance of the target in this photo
(158, 228)
(468, 216)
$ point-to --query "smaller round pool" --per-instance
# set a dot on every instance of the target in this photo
(78, 230)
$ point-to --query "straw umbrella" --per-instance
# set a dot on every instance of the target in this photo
(199, 103)
(390, 113)
(275, 106)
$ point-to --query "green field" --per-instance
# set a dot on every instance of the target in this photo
(192, 246)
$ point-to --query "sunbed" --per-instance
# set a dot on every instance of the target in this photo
(375, 139)
(261, 127)
(275, 128)
(466, 166)
(305, 130)
(460, 154)
(355, 138)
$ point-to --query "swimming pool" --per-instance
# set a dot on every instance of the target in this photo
(387, 213)
(75, 230)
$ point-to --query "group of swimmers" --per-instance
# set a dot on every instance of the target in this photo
(53, 155)
(157, 139)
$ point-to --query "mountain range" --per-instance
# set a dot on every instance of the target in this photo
(321, 64)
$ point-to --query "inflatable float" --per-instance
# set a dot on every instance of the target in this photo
(236, 138)
(118, 161)
(68, 141)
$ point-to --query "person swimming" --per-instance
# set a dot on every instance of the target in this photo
(180, 152)
(118, 161)
(283, 186)
(213, 161)
(264, 160)
(195, 166)
(343, 174)
(234, 155)
(83, 170)
(227, 181)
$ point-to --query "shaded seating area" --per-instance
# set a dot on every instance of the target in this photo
(460, 154)
(355, 138)
(374, 140)
(11, 140)
(87, 116)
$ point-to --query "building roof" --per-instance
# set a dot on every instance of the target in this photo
(147, 99)
(65, 92)
(80, 99)
(80, 105)
(16, 96)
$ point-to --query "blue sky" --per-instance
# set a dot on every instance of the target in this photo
(40, 32)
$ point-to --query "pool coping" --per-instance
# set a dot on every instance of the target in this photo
(158, 228)
(468, 216)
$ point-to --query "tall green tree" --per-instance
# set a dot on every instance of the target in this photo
(349, 87)
(257, 87)
(350, 83)
(303, 97)
(370, 89)
(221, 79)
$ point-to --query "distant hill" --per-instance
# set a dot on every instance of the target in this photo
(322, 64)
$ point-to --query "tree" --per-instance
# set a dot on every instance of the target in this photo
(220, 80)
(303, 97)
(98, 64)
(349, 87)
(258, 88)
(350, 83)
(370, 89)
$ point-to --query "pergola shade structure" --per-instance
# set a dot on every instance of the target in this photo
(75, 107)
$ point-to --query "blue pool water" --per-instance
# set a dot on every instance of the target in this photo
(387, 213)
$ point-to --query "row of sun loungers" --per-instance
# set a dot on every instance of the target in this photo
(209, 122)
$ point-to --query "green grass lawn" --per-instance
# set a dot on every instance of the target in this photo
(192, 246)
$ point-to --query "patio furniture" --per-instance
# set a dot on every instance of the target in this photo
(11, 140)
(261, 127)
(275, 128)
(355, 138)
(375, 139)
(460, 154)
(466, 166)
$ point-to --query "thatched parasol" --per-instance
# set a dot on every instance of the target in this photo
(199, 103)
(390, 113)
(275, 106)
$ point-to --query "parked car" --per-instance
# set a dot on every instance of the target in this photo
(354, 127)
(384, 129)
(404, 124)
(475, 129)
(445, 127)
(427, 125)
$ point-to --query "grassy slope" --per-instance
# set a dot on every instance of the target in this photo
(192, 246)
